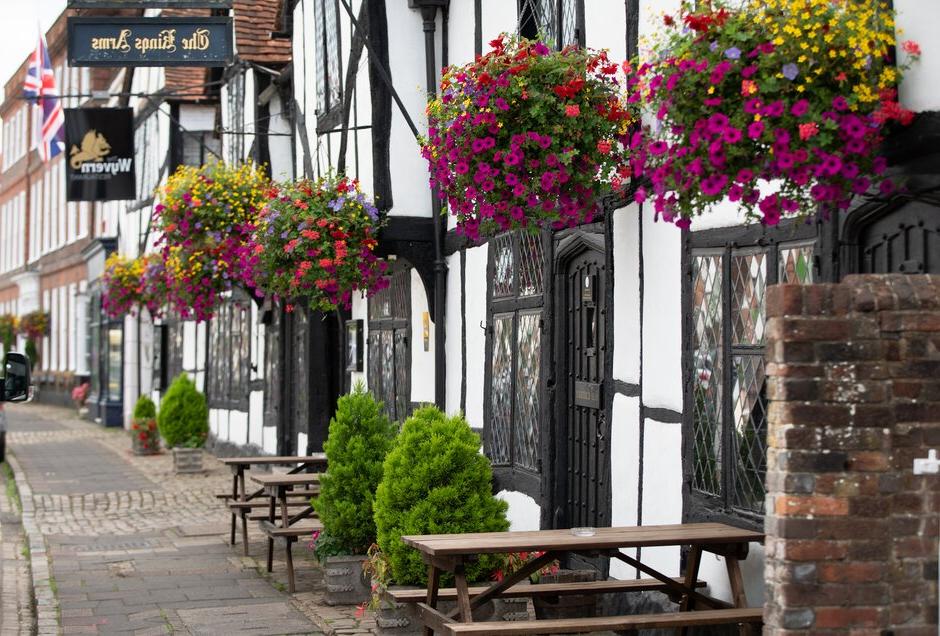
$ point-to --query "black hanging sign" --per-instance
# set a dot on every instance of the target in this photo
(148, 4)
(110, 41)
(99, 148)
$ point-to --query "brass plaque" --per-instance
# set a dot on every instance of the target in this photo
(587, 394)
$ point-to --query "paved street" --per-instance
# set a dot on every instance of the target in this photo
(134, 548)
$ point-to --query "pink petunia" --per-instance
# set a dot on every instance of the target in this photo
(572, 110)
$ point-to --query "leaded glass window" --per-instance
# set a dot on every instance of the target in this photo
(728, 389)
(558, 21)
(230, 355)
(389, 353)
(328, 63)
(514, 382)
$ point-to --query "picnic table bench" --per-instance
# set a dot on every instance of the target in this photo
(238, 496)
(287, 528)
(449, 553)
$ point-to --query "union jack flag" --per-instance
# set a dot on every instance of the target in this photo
(41, 89)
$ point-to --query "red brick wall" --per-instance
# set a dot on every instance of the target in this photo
(854, 383)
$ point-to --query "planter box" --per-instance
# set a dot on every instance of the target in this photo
(187, 460)
(566, 606)
(346, 583)
(401, 619)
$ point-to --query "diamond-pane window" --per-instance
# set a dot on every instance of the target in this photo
(796, 264)
(706, 392)
(516, 274)
(728, 381)
(554, 20)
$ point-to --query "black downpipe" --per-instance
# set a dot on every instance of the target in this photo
(429, 14)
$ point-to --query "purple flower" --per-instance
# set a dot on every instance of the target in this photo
(800, 108)
(790, 71)
(734, 53)
(541, 49)
(640, 195)
(839, 103)
(713, 185)
(658, 147)
(755, 130)
(713, 47)
(731, 135)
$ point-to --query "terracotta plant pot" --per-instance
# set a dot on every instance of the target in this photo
(346, 583)
(187, 460)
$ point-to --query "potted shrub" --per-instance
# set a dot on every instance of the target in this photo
(360, 436)
(315, 240)
(145, 437)
(778, 107)
(184, 423)
(434, 480)
(526, 136)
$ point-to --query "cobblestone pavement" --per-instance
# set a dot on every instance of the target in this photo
(16, 609)
(134, 548)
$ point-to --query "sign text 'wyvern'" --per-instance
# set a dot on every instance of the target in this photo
(99, 147)
(150, 41)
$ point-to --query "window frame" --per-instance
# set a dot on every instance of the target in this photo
(227, 387)
(527, 25)
(698, 506)
(328, 115)
(512, 475)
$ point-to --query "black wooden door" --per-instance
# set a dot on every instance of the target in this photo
(585, 430)
(296, 381)
(905, 241)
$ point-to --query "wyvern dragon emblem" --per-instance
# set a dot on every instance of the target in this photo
(94, 148)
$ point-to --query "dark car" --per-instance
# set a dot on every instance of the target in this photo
(14, 387)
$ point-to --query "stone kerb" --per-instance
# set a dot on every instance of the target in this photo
(853, 379)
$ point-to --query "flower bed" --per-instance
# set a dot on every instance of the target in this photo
(777, 105)
(315, 240)
(205, 218)
(526, 136)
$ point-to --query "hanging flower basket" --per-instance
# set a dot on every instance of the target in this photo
(527, 137)
(778, 106)
(34, 325)
(122, 285)
(205, 218)
(315, 240)
(7, 331)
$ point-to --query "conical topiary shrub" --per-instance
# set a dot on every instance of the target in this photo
(359, 438)
(435, 481)
(184, 416)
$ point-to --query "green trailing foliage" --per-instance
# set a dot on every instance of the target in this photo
(145, 409)
(184, 416)
(359, 438)
(435, 481)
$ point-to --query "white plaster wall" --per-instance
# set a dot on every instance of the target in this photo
(499, 16)
(189, 345)
(605, 27)
(523, 513)
(302, 443)
(651, 14)
(422, 362)
(214, 422)
(360, 310)
(918, 20)
(256, 418)
(279, 145)
(627, 294)
(238, 427)
(407, 63)
(476, 337)
(460, 33)
(453, 349)
(624, 471)
(662, 489)
(269, 440)
(662, 314)
(131, 390)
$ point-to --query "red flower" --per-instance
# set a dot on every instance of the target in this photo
(911, 47)
(572, 110)
(668, 20)
(603, 146)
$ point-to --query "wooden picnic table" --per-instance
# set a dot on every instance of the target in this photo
(449, 553)
(238, 466)
(278, 487)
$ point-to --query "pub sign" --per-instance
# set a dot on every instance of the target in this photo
(99, 148)
(110, 41)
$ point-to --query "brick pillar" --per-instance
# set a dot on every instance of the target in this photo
(854, 388)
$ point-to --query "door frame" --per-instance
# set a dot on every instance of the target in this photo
(568, 245)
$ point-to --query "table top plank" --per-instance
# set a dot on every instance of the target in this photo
(268, 460)
(298, 479)
(563, 540)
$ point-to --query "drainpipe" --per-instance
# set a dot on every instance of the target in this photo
(429, 15)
